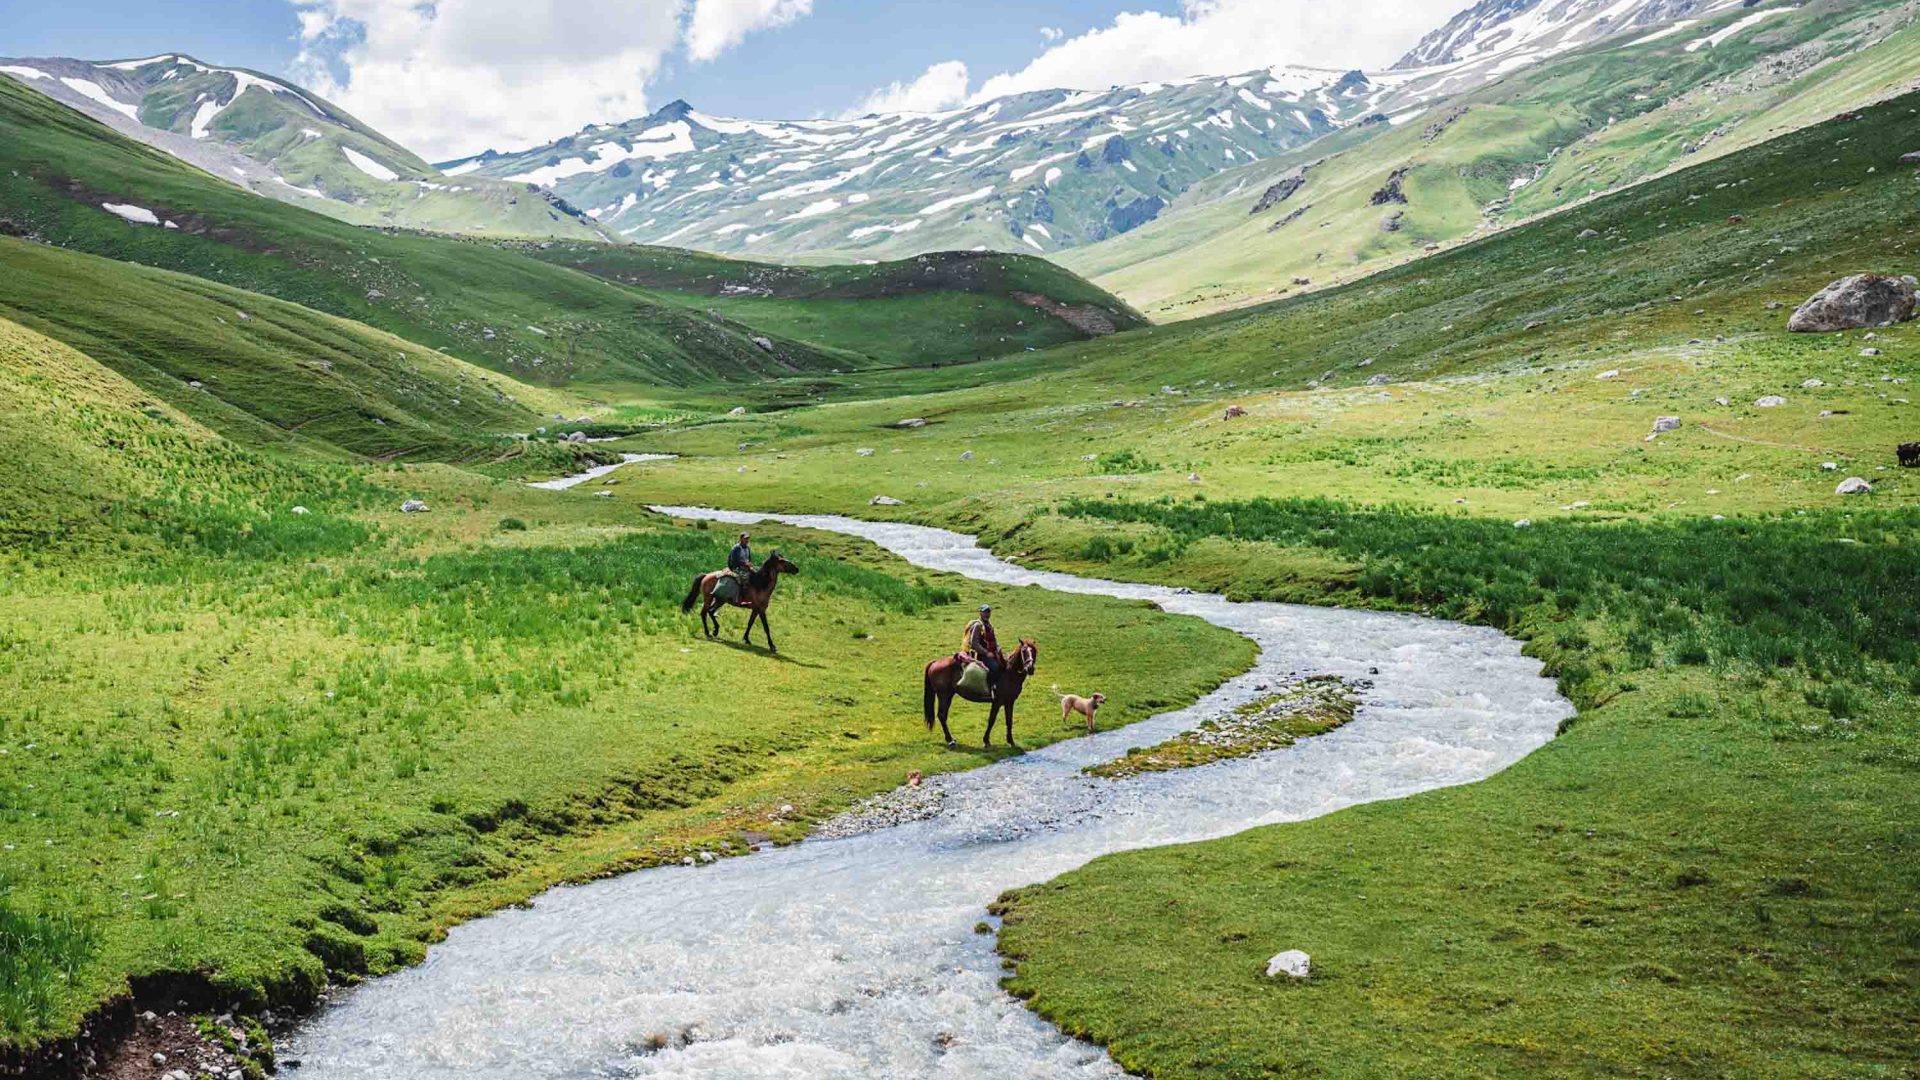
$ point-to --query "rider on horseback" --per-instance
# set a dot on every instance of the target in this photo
(740, 560)
(980, 646)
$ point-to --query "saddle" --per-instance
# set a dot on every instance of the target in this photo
(727, 589)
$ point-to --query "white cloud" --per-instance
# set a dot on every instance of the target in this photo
(1221, 37)
(453, 77)
(1051, 33)
(941, 86)
(719, 25)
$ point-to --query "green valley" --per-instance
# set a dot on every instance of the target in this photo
(298, 673)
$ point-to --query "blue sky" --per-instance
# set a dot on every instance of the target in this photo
(450, 77)
(816, 66)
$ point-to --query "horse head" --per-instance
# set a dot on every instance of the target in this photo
(1026, 657)
(777, 561)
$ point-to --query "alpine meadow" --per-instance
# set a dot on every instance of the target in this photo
(1196, 556)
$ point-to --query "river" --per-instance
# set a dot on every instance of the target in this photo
(857, 957)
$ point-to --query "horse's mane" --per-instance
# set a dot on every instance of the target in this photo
(760, 578)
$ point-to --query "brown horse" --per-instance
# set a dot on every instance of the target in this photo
(942, 678)
(758, 590)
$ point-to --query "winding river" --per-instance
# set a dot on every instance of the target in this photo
(857, 957)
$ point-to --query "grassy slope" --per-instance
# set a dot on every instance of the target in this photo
(271, 373)
(932, 309)
(258, 749)
(1711, 872)
(547, 324)
(1597, 120)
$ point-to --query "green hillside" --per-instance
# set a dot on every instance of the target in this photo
(287, 143)
(1545, 137)
(1706, 874)
(263, 372)
(938, 308)
(468, 298)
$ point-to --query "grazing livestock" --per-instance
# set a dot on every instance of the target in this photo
(1909, 454)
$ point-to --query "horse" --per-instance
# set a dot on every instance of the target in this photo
(1909, 454)
(759, 589)
(942, 682)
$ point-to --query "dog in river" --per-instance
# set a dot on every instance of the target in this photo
(1085, 706)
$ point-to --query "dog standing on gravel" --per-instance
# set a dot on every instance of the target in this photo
(1073, 703)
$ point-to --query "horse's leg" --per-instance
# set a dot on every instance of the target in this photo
(992, 715)
(747, 638)
(1010, 723)
(946, 702)
(767, 629)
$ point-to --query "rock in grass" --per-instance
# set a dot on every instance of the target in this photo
(1829, 466)
(1379, 380)
(1608, 375)
(299, 510)
(865, 451)
(1853, 485)
(966, 455)
(737, 410)
(1665, 423)
(911, 422)
(413, 506)
(1771, 401)
(576, 436)
(1523, 523)
(884, 500)
(1910, 159)
(764, 343)
(1293, 963)
(1586, 234)
(1813, 384)
(1854, 303)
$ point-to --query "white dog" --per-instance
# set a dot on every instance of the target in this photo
(1073, 703)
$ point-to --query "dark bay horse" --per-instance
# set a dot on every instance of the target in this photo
(758, 590)
(943, 683)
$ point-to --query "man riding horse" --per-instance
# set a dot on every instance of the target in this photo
(980, 645)
(740, 561)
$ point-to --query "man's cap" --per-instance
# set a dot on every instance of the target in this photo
(984, 608)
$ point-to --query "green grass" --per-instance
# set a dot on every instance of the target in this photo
(469, 298)
(934, 309)
(1706, 874)
(263, 750)
(499, 304)
(269, 373)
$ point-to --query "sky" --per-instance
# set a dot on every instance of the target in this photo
(449, 78)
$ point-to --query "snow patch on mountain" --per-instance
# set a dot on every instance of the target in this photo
(367, 165)
(87, 88)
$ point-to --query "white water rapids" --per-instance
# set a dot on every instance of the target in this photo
(565, 482)
(856, 957)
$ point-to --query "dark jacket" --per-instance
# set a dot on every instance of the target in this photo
(740, 559)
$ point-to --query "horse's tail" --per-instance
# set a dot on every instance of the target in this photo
(686, 606)
(926, 697)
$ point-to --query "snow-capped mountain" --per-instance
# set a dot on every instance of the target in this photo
(285, 142)
(1512, 33)
(1035, 171)
(1042, 171)
(1039, 171)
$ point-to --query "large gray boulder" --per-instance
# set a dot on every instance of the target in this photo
(1855, 303)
